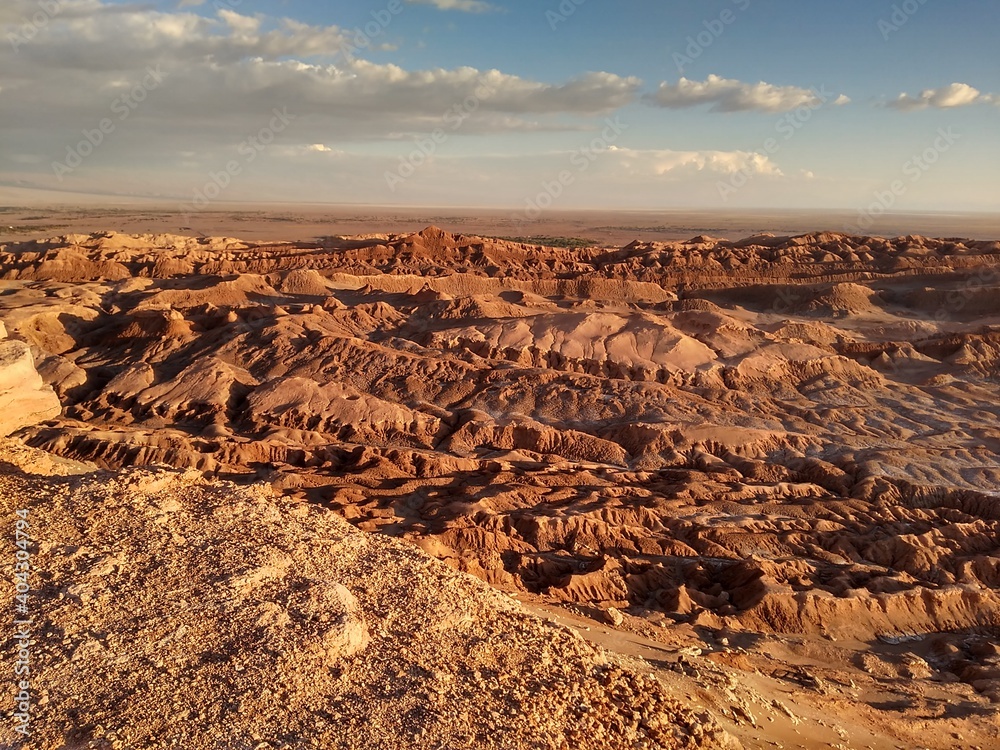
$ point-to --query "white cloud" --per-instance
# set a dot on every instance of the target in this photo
(222, 70)
(354, 119)
(946, 97)
(663, 163)
(729, 95)
(243, 25)
(222, 78)
(465, 6)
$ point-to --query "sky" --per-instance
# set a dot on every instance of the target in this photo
(533, 105)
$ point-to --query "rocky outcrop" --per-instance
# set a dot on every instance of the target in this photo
(200, 615)
(24, 399)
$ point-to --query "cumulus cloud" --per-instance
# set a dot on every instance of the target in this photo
(219, 80)
(466, 6)
(946, 97)
(663, 163)
(224, 68)
(224, 75)
(729, 95)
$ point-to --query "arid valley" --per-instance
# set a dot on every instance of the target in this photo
(719, 493)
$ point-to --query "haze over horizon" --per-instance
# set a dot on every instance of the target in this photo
(722, 105)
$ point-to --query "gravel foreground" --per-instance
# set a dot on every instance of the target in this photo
(172, 612)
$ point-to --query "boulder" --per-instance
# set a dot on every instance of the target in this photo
(24, 398)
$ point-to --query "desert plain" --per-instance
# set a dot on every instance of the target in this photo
(405, 482)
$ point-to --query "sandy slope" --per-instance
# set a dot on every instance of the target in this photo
(173, 613)
(789, 439)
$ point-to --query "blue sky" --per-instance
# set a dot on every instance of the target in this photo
(795, 104)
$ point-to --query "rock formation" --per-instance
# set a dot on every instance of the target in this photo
(24, 398)
(789, 437)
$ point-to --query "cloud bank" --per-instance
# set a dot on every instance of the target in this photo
(729, 95)
(230, 67)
